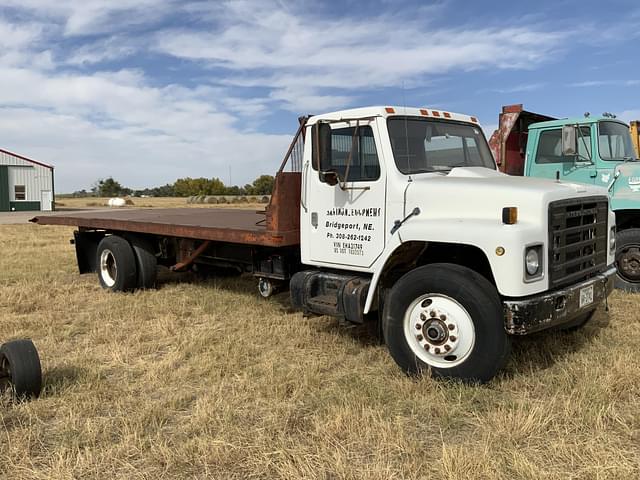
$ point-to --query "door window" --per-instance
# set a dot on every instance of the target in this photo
(364, 164)
(550, 146)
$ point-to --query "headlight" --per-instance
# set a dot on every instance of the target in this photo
(533, 261)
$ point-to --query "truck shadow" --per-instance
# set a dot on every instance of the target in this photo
(540, 351)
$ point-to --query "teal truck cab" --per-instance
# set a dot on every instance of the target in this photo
(596, 150)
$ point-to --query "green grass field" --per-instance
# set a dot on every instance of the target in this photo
(208, 380)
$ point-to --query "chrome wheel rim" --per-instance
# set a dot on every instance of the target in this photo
(108, 268)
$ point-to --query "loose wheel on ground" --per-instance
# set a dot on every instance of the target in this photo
(448, 320)
(20, 368)
(628, 260)
(117, 270)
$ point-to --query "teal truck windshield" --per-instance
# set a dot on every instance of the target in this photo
(425, 145)
(614, 141)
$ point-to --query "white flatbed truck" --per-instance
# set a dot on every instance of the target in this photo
(394, 213)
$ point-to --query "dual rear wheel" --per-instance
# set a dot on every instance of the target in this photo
(125, 264)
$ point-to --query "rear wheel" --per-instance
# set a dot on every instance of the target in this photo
(448, 320)
(20, 368)
(116, 262)
(628, 260)
(146, 262)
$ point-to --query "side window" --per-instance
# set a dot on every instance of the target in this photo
(20, 192)
(364, 165)
(550, 146)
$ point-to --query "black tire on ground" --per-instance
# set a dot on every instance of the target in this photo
(20, 368)
(579, 322)
(116, 263)
(628, 260)
(479, 316)
(146, 262)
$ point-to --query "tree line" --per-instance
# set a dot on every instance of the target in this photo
(182, 187)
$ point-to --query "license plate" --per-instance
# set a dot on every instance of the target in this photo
(586, 296)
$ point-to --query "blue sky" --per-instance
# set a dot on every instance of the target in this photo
(148, 91)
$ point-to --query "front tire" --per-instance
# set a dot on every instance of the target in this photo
(628, 260)
(116, 263)
(448, 320)
(20, 368)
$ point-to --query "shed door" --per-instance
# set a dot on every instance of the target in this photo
(46, 200)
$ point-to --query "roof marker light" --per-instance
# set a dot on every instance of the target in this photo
(447, 115)
(389, 110)
(435, 114)
(424, 112)
(474, 119)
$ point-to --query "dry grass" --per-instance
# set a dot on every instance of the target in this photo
(153, 202)
(207, 380)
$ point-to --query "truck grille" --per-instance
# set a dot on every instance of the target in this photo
(577, 239)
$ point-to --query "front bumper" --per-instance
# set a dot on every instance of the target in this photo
(546, 310)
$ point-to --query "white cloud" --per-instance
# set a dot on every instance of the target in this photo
(59, 104)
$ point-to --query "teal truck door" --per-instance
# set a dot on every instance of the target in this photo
(550, 163)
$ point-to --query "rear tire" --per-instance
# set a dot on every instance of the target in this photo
(20, 368)
(116, 264)
(628, 260)
(448, 320)
(146, 262)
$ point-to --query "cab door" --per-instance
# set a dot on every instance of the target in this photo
(548, 161)
(343, 224)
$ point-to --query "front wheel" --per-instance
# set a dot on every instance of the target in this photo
(448, 320)
(628, 260)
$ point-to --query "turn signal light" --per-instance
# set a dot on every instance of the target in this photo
(509, 215)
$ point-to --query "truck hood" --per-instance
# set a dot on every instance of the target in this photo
(625, 193)
(481, 193)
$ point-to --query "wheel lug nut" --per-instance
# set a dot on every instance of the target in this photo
(437, 350)
(432, 313)
(447, 347)
(418, 326)
(443, 317)
(426, 347)
(453, 338)
(423, 317)
(419, 337)
(451, 326)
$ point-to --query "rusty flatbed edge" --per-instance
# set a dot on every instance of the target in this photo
(224, 225)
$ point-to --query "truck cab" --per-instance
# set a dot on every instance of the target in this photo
(404, 212)
(594, 150)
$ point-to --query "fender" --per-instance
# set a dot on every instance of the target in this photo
(486, 235)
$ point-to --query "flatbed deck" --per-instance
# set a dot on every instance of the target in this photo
(277, 226)
(217, 224)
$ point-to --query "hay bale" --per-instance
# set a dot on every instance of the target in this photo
(222, 200)
(211, 199)
(264, 199)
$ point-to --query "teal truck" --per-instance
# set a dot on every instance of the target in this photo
(596, 150)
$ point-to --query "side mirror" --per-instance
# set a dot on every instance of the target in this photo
(330, 177)
(322, 146)
(569, 141)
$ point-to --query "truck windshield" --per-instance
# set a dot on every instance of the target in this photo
(614, 141)
(427, 145)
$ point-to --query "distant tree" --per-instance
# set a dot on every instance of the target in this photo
(108, 187)
(185, 187)
(263, 185)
